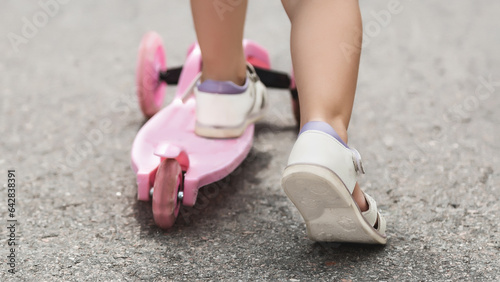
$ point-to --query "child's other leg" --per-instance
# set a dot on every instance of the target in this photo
(325, 75)
(229, 98)
(219, 29)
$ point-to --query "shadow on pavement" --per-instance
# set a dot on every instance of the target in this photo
(263, 128)
(211, 199)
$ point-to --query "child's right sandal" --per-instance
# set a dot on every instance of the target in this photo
(320, 178)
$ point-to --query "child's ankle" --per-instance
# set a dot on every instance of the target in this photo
(235, 73)
(337, 126)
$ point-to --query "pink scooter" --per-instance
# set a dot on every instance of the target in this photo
(171, 162)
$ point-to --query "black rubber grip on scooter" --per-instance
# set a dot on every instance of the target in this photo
(171, 76)
(270, 78)
(273, 79)
(295, 94)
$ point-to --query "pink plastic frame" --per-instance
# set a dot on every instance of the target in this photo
(170, 134)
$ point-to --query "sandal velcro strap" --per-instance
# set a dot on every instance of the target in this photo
(381, 224)
(373, 216)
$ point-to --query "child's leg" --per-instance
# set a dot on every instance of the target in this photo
(219, 30)
(241, 98)
(325, 77)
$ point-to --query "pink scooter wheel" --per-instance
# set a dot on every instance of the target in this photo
(166, 188)
(152, 60)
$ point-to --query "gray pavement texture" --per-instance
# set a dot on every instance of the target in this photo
(426, 120)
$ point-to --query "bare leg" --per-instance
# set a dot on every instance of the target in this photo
(219, 29)
(326, 78)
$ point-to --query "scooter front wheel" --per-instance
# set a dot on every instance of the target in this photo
(165, 193)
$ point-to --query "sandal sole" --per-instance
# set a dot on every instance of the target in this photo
(328, 209)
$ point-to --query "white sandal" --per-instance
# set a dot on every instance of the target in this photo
(319, 180)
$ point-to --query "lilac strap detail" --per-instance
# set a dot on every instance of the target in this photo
(323, 127)
(222, 87)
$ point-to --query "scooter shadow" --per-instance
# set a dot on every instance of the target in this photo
(211, 199)
(263, 128)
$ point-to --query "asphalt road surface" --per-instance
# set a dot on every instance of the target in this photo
(426, 120)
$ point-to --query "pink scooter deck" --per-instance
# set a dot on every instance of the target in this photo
(170, 134)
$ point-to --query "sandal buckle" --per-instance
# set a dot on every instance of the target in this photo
(252, 74)
(357, 161)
